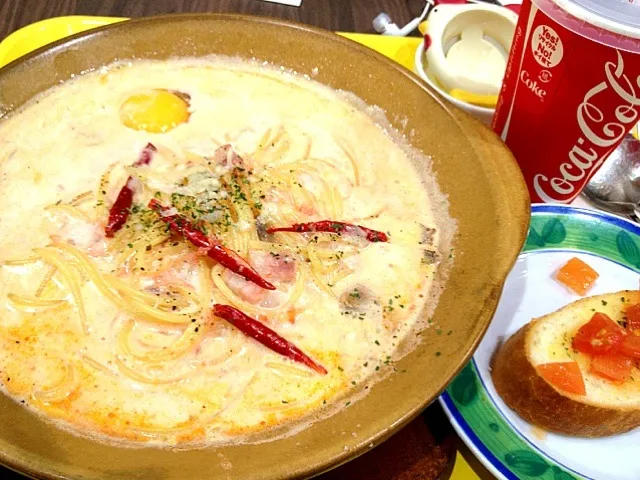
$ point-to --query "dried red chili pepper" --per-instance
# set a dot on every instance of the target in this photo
(119, 211)
(333, 227)
(263, 334)
(221, 254)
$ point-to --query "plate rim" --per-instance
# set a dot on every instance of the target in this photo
(465, 431)
(472, 441)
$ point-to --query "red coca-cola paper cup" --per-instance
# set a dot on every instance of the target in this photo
(571, 91)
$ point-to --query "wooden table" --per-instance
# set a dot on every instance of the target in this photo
(343, 15)
(426, 448)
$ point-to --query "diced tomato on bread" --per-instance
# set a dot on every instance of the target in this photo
(633, 317)
(630, 346)
(577, 275)
(565, 376)
(612, 366)
(612, 348)
(600, 335)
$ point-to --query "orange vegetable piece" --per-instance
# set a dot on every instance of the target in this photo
(600, 335)
(630, 346)
(610, 366)
(633, 317)
(577, 275)
(565, 376)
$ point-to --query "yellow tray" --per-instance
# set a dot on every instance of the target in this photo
(38, 34)
(400, 49)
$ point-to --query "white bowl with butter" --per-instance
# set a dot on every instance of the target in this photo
(465, 53)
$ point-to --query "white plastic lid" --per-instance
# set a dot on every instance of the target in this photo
(619, 16)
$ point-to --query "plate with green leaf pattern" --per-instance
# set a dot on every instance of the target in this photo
(508, 446)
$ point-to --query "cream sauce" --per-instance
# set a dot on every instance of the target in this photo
(223, 387)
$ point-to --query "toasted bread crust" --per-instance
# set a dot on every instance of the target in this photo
(529, 395)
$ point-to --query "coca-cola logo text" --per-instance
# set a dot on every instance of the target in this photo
(598, 134)
(532, 85)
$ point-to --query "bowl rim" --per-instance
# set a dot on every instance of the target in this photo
(300, 468)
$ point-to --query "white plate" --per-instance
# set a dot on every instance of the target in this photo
(510, 447)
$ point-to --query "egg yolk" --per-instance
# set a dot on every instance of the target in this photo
(156, 111)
